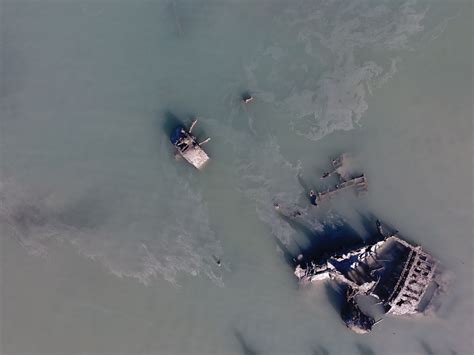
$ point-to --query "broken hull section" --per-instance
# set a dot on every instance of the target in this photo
(188, 147)
(196, 156)
(401, 276)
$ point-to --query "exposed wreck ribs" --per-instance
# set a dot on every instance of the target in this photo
(358, 184)
(391, 270)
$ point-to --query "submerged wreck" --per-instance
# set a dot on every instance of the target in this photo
(399, 275)
(188, 147)
(358, 184)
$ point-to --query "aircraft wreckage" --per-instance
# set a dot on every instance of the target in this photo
(401, 276)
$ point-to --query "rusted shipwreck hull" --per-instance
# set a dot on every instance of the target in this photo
(398, 274)
(188, 147)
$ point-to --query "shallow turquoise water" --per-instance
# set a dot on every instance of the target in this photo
(108, 243)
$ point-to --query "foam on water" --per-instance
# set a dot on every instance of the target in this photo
(334, 33)
(177, 239)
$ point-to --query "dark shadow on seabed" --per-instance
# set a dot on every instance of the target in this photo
(320, 245)
(321, 350)
(246, 348)
(163, 125)
(289, 257)
(88, 211)
(336, 294)
(170, 122)
(426, 347)
(245, 95)
(306, 187)
(303, 183)
(364, 349)
(368, 222)
(173, 11)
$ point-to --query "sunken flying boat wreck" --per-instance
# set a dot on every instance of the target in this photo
(399, 275)
(188, 147)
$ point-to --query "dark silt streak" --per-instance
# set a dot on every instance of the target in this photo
(364, 349)
(321, 350)
(246, 348)
(177, 22)
(427, 349)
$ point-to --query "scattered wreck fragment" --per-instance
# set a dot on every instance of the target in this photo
(401, 276)
(358, 184)
(188, 146)
(246, 97)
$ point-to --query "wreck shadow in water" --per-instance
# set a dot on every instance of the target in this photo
(368, 222)
(336, 294)
(245, 95)
(332, 239)
(170, 122)
(306, 187)
(247, 349)
(290, 257)
(318, 244)
(329, 241)
(427, 349)
(364, 349)
(321, 350)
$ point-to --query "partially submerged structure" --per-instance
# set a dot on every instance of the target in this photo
(188, 146)
(339, 167)
(401, 276)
